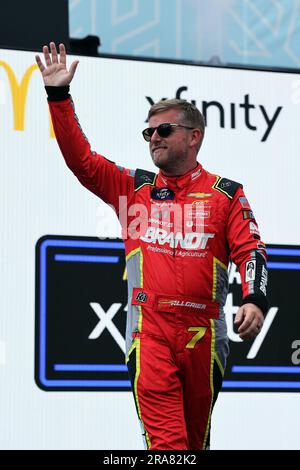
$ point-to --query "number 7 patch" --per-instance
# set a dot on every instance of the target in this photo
(200, 333)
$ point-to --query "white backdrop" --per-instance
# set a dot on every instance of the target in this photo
(40, 196)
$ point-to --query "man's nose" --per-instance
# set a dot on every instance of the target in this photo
(155, 136)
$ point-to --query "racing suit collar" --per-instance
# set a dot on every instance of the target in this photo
(181, 181)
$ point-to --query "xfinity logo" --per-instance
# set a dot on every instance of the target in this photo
(230, 311)
(296, 354)
(80, 314)
(235, 115)
(191, 241)
(105, 321)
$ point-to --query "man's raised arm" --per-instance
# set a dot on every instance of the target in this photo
(95, 172)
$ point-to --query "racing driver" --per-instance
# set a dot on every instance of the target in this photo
(180, 227)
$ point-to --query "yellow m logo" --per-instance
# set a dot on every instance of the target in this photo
(19, 95)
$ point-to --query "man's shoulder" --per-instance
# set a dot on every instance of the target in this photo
(143, 178)
(223, 185)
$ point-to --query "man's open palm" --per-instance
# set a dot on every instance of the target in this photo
(55, 72)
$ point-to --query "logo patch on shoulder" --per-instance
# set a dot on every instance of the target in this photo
(248, 215)
(254, 229)
(226, 186)
(162, 194)
(244, 203)
(143, 178)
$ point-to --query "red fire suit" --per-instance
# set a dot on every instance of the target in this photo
(179, 233)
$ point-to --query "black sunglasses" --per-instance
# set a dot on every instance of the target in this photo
(163, 130)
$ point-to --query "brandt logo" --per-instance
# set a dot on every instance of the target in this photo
(245, 113)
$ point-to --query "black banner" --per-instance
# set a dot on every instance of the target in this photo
(270, 362)
(81, 300)
(81, 304)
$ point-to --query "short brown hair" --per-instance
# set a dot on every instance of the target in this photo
(191, 116)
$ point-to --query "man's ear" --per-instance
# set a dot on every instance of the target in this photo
(196, 136)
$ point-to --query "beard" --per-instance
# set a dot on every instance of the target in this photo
(168, 162)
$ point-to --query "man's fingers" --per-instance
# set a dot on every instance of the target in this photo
(247, 335)
(39, 62)
(53, 52)
(73, 68)
(47, 56)
(246, 323)
(62, 52)
(252, 322)
(239, 317)
(250, 332)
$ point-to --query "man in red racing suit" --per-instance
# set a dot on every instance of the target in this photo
(180, 231)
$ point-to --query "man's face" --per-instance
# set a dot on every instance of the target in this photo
(169, 153)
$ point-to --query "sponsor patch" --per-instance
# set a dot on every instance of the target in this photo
(200, 203)
(264, 280)
(201, 214)
(162, 194)
(142, 178)
(146, 178)
(244, 203)
(187, 241)
(248, 215)
(250, 271)
(141, 297)
(127, 171)
(182, 303)
(199, 195)
(225, 184)
(196, 174)
(254, 229)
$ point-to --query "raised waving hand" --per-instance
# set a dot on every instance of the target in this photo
(55, 72)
